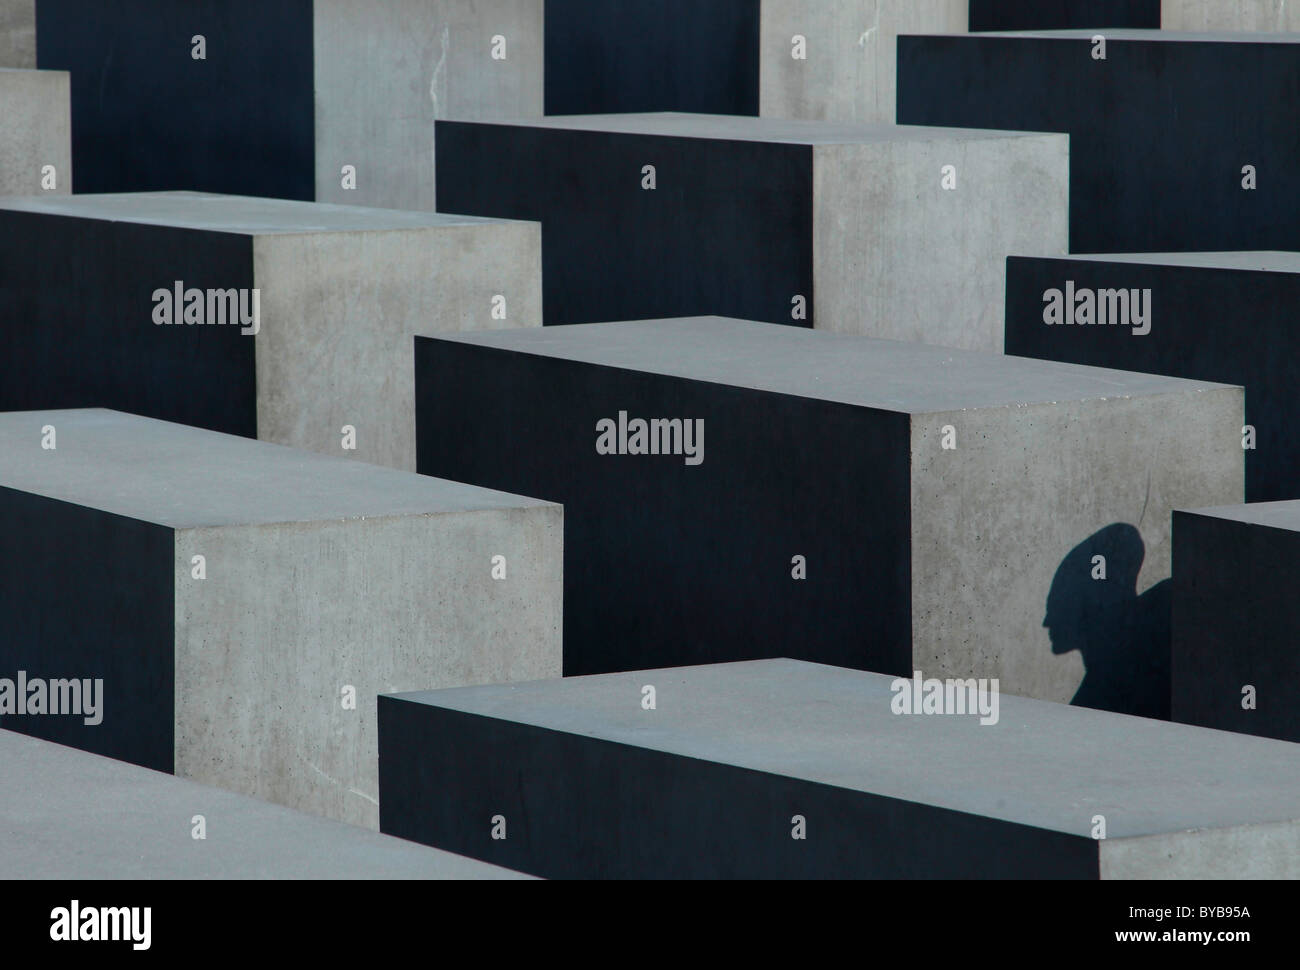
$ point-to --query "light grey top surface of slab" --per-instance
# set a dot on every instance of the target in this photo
(1275, 515)
(1175, 36)
(1052, 766)
(183, 477)
(744, 128)
(1264, 261)
(238, 214)
(888, 375)
(67, 814)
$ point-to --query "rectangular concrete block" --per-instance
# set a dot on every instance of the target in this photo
(84, 282)
(848, 227)
(735, 761)
(871, 504)
(18, 33)
(1257, 15)
(241, 604)
(1167, 133)
(1235, 619)
(35, 137)
(286, 93)
(68, 815)
(779, 58)
(1226, 317)
(1063, 14)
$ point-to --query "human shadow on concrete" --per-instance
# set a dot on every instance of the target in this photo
(1123, 637)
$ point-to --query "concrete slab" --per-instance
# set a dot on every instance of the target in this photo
(18, 33)
(35, 139)
(1224, 317)
(780, 58)
(1062, 14)
(1167, 132)
(341, 290)
(838, 61)
(1235, 620)
(284, 95)
(819, 510)
(715, 780)
(321, 583)
(66, 814)
(846, 227)
(1255, 15)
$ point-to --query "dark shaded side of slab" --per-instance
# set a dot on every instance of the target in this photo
(76, 326)
(652, 55)
(1062, 14)
(666, 563)
(87, 594)
(1230, 326)
(727, 231)
(147, 116)
(588, 808)
(1236, 622)
(1160, 130)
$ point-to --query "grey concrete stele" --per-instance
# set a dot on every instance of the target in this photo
(1236, 620)
(36, 133)
(782, 769)
(325, 100)
(241, 604)
(340, 290)
(1227, 317)
(779, 58)
(67, 815)
(895, 232)
(868, 503)
(1267, 16)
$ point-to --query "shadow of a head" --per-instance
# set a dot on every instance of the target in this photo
(1093, 607)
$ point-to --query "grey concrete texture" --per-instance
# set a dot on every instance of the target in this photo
(897, 255)
(343, 291)
(1178, 801)
(18, 33)
(386, 70)
(1047, 456)
(321, 574)
(37, 130)
(850, 66)
(1252, 15)
(66, 814)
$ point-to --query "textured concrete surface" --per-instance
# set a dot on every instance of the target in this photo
(289, 92)
(385, 71)
(1161, 130)
(850, 69)
(1235, 620)
(80, 816)
(18, 33)
(36, 131)
(1226, 317)
(970, 561)
(321, 574)
(1260, 15)
(706, 784)
(342, 291)
(1063, 14)
(749, 214)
